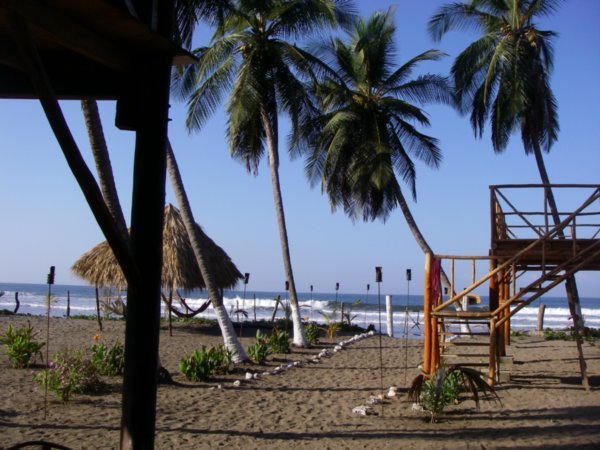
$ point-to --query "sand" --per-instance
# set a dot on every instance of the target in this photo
(543, 406)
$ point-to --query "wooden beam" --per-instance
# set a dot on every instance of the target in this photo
(69, 34)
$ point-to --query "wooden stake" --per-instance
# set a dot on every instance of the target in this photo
(540, 317)
(427, 315)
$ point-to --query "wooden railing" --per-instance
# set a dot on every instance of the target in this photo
(511, 221)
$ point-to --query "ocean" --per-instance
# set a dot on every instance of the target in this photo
(315, 306)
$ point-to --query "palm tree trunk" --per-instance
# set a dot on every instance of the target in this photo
(99, 149)
(570, 282)
(230, 339)
(412, 225)
(271, 133)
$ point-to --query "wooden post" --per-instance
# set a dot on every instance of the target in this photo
(540, 318)
(427, 315)
(501, 301)
(506, 281)
(169, 312)
(68, 304)
(98, 309)
(152, 76)
(389, 315)
(493, 286)
(493, 350)
(435, 345)
(452, 277)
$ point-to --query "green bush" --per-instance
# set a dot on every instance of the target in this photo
(440, 391)
(311, 333)
(558, 335)
(442, 388)
(22, 350)
(69, 374)
(260, 349)
(203, 364)
(109, 361)
(279, 341)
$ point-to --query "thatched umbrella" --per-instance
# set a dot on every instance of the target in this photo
(99, 266)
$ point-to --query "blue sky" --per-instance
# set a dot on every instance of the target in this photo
(45, 220)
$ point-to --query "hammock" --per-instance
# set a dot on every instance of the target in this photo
(189, 312)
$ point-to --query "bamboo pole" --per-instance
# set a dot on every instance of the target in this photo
(427, 315)
(451, 277)
(493, 293)
(493, 350)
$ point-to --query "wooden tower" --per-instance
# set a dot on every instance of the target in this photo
(523, 241)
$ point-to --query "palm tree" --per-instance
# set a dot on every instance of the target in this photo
(365, 136)
(504, 78)
(229, 337)
(250, 58)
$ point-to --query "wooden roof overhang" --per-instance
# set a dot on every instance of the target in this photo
(88, 47)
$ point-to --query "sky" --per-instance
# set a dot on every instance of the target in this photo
(45, 220)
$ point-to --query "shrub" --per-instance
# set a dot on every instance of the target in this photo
(22, 349)
(69, 374)
(311, 333)
(203, 363)
(260, 349)
(109, 361)
(279, 341)
(442, 389)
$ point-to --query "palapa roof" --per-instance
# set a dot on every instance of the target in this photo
(180, 269)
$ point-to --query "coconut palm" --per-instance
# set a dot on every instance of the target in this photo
(230, 339)
(250, 59)
(504, 78)
(365, 137)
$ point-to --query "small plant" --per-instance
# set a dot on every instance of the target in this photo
(311, 333)
(203, 363)
(260, 349)
(279, 341)
(332, 326)
(443, 388)
(109, 361)
(348, 316)
(69, 374)
(559, 335)
(22, 349)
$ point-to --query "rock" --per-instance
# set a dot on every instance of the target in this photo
(417, 407)
(375, 400)
(256, 375)
(237, 383)
(249, 376)
(363, 410)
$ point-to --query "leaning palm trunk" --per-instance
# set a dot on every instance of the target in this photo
(412, 225)
(230, 339)
(99, 149)
(570, 283)
(298, 337)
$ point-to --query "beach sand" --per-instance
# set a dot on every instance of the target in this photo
(543, 405)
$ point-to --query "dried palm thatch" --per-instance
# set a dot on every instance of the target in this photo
(180, 269)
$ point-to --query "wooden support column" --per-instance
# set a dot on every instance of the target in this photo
(493, 293)
(501, 301)
(493, 351)
(506, 295)
(147, 216)
(427, 315)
